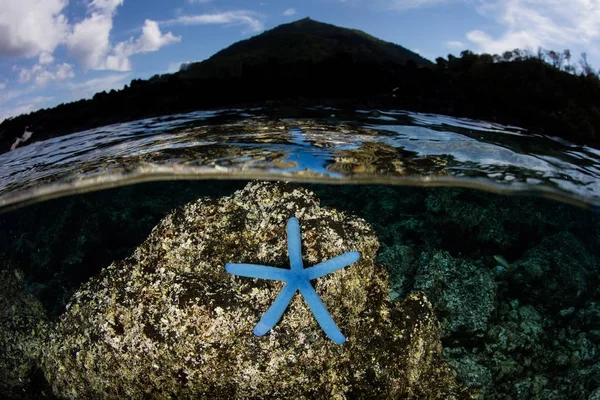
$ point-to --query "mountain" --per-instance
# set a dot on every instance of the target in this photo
(305, 58)
(302, 41)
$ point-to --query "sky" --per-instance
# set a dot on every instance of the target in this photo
(58, 51)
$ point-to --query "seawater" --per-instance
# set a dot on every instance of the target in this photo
(496, 225)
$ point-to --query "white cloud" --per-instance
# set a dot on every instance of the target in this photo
(289, 12)
(29, 27)
(150, 40)
(455, 44)
(240, 17)
(8, 95)
(24, 73)
(90, 40)
(173, 67)
(89, 43)
(176, 66)
(2, 86)
(92, 86)
(42, 74)
(43, 77)
(36, 100)
(553, 24)
(64, 71)
(23, 106)
(401, 5)
(45, 58)
(105, 6)
(14, 111)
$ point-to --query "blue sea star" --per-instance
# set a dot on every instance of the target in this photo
(296, 278)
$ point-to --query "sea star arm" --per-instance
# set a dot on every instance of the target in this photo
(320, 312)
(258, 271)
(294, 244)
(296, 278)
(274, 313)
(331, 265)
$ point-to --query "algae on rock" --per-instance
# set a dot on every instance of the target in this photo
(169, 322)
(23, 328)
(463, 293)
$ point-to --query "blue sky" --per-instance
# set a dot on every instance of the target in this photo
(55, 51)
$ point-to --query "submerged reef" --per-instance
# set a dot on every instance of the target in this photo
(170, 322)
(59, 244)
(23, 328)
(530, 330)
(463, 293)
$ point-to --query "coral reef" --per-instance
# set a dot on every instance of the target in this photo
(161, 320)
(556, 274)
(464, 293)
(23, 328)
(60, 244)
(170, 322)
(528, 331)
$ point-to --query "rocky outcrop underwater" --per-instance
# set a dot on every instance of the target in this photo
(456, 294)
(527, 327)
(24, 329)
(169, 322)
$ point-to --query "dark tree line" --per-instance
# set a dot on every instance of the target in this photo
(545, 92)
(560, 60)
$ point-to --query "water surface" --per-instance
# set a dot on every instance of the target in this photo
(310, 145)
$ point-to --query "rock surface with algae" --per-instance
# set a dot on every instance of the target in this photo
(23, 328)
(169, 322)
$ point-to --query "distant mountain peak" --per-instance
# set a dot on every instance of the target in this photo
(303, 41)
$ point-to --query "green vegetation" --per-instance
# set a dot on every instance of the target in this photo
(308, 62)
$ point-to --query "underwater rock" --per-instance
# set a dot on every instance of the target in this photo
(555, 274)
(462, 293)
(541, 339)
(519, 331)
(595, 395)
(400, 261)
(23, 328)
(528, 355)
(467, 217)
(468, 369)
(170, 322)
(60, 244)
(477, 223)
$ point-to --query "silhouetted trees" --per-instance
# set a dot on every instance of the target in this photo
(545, 91)
(560, 60)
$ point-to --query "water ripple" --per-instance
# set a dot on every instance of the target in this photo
(368, 146)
